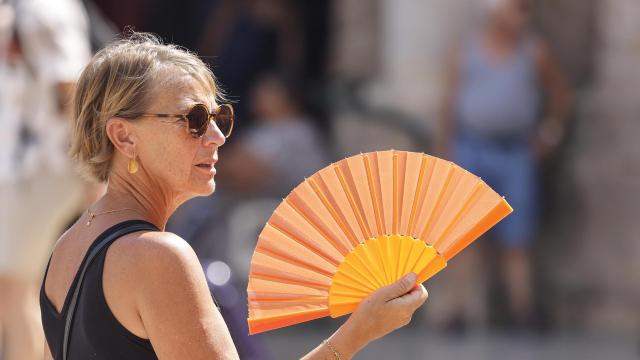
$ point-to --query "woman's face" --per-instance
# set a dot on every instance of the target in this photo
(166, 152)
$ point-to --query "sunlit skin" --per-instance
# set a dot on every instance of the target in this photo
(173, 166)
(141, 267)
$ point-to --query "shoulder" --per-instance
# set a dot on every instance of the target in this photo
(156, 255)
(161, 247)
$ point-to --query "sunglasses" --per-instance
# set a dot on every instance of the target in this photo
(199, 118)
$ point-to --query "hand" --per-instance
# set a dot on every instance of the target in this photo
(385, 310)
(388, 308)
(548, 138)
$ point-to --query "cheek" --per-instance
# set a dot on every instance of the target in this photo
(172, 159)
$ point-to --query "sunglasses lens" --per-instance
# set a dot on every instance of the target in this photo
(224, 119)
(198, 120)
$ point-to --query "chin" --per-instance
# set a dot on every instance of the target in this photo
(201, 188)
(209, 189)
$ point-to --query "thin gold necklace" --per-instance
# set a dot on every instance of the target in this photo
(92, 215)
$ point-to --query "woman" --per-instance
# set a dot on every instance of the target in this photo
(145, 296)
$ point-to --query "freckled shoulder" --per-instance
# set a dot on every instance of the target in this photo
(159, 250)
(156, 255)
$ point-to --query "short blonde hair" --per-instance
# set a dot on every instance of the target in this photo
(120, 81)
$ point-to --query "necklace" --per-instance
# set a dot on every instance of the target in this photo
(92, 215)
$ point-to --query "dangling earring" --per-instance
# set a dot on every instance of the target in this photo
(132, 166)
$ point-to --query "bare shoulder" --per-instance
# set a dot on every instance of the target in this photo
(155, 254)
(172, 299)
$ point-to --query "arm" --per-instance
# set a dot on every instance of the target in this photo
(175, 305)
(446, 126)
(382, 312)
(556, 89)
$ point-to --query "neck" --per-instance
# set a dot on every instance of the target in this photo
(151, 204)
(498, 34)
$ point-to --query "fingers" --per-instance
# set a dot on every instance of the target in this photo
(413, 299)
(398, 288)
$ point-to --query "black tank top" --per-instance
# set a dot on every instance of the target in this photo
(95, 332)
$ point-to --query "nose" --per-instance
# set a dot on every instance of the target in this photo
(213, 136)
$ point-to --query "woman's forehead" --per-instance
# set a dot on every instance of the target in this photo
(179, 91)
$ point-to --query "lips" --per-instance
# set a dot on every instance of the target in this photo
(207, 165)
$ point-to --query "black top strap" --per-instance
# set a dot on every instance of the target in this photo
(118, 231)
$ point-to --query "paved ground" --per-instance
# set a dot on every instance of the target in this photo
(414, 344)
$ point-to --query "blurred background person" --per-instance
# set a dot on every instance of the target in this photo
(281, 148)
(266, 161)
(43, 51)
(505, 108)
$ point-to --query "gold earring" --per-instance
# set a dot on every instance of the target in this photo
(132, 166)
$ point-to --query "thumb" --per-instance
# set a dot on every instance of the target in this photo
(398, 288)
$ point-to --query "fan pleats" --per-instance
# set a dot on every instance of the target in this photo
(361, 224)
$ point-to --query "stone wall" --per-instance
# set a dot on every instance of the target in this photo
(604, 160)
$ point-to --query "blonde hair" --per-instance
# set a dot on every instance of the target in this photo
(120, 81)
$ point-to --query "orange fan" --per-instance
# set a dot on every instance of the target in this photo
(361, 224)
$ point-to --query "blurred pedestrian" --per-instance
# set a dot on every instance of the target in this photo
(42, 53)
(281, 149)
(505, 107)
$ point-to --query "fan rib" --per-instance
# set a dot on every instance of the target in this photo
(362, 278)
(356, 297)
(341, 284)
(433, 216)
(458, 216)
(273, 296)
(371, 275)
(457, 193)
(403, 254)
(290, 259)
(380, 254)
(337, 244)
(289, 280)
(354, 279)
(499, 212)
(374, 197)
(275, 303)
(394, 221)
(414, 207)
(392, 257)
(374, 262)
(345, 228)
(385, 171)
(404, 180)
(309, 246)
(271, 287)
(435, 266)
(412, 265)
(354, 207)
(420, 217)
(266, 323)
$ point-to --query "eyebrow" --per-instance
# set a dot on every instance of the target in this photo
(193, 101)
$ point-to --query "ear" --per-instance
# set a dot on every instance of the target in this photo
(122, 135)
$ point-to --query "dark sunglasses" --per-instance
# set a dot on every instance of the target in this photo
(199, 118)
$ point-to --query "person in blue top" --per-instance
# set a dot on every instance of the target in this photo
(505, 107)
